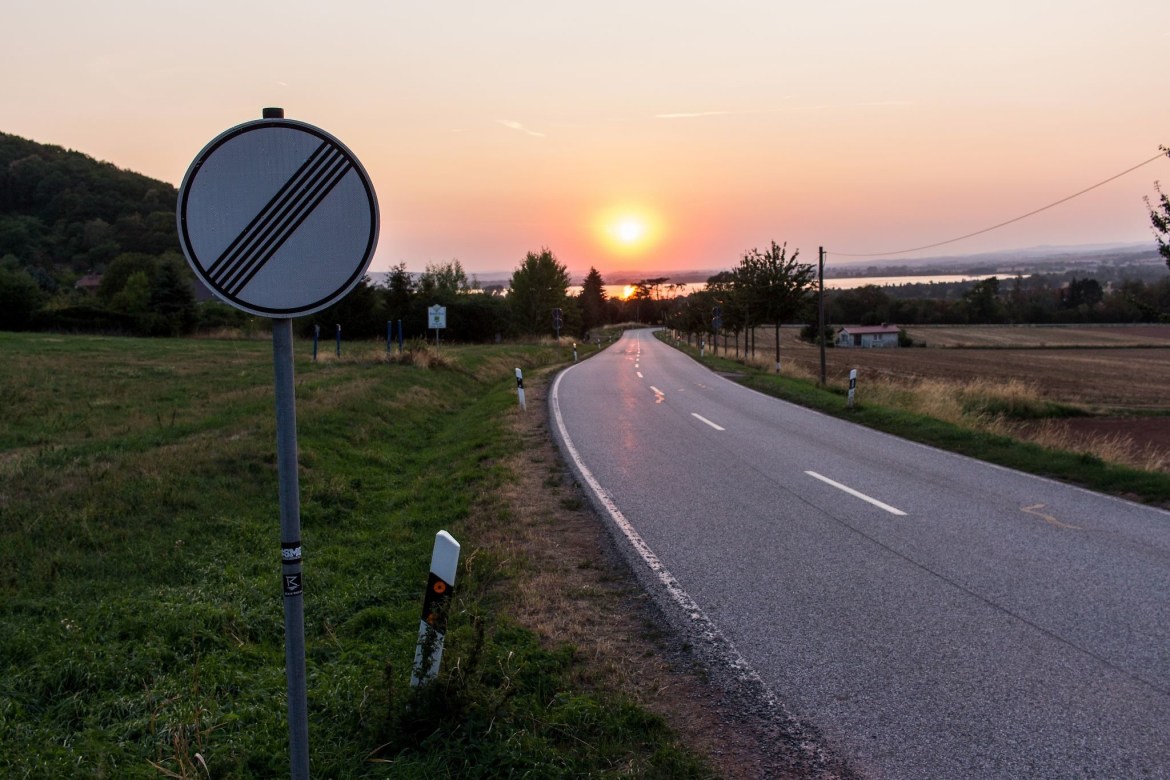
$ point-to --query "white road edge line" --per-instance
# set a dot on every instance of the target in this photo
(701, 418)
(690, 607)
(856, 494)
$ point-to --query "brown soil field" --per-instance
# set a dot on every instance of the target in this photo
(1119, 373)
(1120, 379)
(1040, 336)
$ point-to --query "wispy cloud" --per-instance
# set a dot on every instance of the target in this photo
(781, 109)
(511, 125)
(691, 114)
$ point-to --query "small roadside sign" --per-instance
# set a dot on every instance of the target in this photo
(436, 317)
(278, 218)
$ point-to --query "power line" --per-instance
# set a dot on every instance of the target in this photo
(1010, 221)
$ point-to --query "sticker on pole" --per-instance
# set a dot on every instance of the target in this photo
(278, 218)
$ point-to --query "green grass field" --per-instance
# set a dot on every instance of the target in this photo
(141, 627)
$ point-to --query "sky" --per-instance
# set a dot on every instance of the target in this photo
(655, 135)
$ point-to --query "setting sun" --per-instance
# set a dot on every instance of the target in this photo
(627, 230)
(630, 230)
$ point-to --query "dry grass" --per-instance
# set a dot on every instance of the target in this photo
(1110, 447)
(991, 378)
(974, 405)
(997, 407)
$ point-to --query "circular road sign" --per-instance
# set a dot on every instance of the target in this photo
(278, 218)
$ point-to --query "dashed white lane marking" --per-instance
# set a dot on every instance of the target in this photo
(656, 390)
(640, 375)
(701, 418)
(857, 494)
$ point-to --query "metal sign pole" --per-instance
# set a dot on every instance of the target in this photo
(244, 227)
(290, 548)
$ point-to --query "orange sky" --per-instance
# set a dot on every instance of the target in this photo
(491, 129)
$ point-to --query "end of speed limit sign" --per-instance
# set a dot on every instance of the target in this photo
(278, 218)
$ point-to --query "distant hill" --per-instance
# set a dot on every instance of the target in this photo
(68, 214)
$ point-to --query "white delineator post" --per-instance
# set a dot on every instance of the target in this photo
(520, 389)
(433, 627)
(574, 352)
(852, 386)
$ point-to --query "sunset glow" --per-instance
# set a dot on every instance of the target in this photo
(675, 140)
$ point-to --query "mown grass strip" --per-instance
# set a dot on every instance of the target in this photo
(1080, 469)
(141, 629)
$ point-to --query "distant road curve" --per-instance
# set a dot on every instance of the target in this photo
(932, 616)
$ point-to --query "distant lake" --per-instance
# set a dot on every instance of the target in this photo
(853, 282)
(840, 283)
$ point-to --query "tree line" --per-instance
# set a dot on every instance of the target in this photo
(64, 216)
(539, 285)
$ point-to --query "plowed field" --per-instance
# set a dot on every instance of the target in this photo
(1111, 368)
(1114, 371)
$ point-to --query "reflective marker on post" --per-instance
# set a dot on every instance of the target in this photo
(520, 389)
(433, 626)
(852, 386)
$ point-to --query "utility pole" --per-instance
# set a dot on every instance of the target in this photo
(821, 312)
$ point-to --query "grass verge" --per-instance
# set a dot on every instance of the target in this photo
(973, 421)
(141, 631)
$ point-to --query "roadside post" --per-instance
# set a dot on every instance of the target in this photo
(520, 390)
(852, 386)
(401, 335)
(432, 629)
(389, 334)
(574, 352)
(278, 218)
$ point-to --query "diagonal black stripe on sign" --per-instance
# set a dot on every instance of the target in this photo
(276, 203)
(263, 236)
(270, 232)
(261, 225)
(264, 232)
(292, 222)
(289, 223)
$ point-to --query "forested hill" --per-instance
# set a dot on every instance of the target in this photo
(67, 214)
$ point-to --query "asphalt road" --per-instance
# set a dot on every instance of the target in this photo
(932, 616)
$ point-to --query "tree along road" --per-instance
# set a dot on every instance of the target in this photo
(932, 616)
